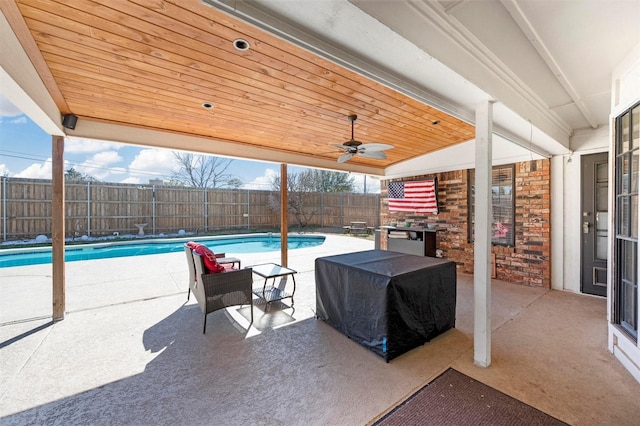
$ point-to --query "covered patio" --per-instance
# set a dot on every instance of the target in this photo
(144, 360)
(438, 81)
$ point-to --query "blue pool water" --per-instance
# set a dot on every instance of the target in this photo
(235, 245)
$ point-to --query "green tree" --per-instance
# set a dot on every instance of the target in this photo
(201, 171)
(74, 176)
(235, 183)
(326, 181)
(302, 187)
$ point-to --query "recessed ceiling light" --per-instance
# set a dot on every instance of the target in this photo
(241, 44)
(434, 122)
(207, 105)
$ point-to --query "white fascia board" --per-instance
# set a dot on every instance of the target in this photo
(22, 86)
(459, 157)
(96, 130)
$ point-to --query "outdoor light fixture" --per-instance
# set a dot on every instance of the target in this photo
(207, 105)
(69, 121)
(241, 44)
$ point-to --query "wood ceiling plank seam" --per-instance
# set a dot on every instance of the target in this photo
(274, 40)
(288, 117)
(65, 49)
(295, 66)
(154, 124)
(73, 42)
(184, 117)
(91, 81)
(155, 67)
(12, 12)
(169, 47)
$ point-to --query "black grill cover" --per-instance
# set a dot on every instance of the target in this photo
(389, 302)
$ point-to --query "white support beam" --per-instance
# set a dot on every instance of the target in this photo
(482, 237)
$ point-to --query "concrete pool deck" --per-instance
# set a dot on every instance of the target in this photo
(26, 291)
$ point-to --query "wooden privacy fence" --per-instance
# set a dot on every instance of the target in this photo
(98, 209)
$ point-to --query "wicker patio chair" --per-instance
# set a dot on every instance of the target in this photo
(192, 269)
(221, 290)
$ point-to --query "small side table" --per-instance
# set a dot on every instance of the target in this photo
(271, 293)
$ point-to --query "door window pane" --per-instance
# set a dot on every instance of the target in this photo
(601, 247)
(634, 170)
(625, 174)
(624, 133)
(601, 198)
(635, 118)
(634, 216)
(629, 314)
(625, 281)
(628, 258)
(623, 225)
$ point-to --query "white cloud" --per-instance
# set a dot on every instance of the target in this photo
(152, 163)
(37, 171)
(262, 182)
(131, 179)
(19, 120)
(99, 165)
(118, 170)
(78, 145)
(4, 170)
(106, 157)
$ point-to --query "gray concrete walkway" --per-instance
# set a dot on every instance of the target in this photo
(131, 351)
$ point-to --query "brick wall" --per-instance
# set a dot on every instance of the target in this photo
(529, 261)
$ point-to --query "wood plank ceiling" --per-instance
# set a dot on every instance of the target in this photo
(152, 64)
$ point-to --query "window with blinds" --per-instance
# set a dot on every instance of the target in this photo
(503, 219)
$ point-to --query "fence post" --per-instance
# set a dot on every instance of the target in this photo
(248, 208)
(4, 208)
(206, 210)
(153, 209)
(321, 208)
(88, 209)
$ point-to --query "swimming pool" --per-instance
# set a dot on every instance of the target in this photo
(236, 244)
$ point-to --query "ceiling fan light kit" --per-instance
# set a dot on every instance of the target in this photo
(366, 150)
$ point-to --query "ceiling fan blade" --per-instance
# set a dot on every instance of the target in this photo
(345, 157)
(378, 155)
(343, 147)
(375, 147)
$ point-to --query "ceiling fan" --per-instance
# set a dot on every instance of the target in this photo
(366, 150)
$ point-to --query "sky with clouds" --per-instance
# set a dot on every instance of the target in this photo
(25, 151)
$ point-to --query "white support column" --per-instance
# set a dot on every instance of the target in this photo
(557, 221)
(482, 245)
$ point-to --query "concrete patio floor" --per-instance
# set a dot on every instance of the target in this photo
(131, 351)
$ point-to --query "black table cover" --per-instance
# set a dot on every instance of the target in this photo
(389, 302)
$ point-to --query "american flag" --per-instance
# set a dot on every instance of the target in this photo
(413, 196)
